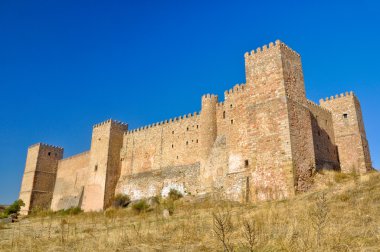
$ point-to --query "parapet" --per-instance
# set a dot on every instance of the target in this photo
(313, 104)
(110, 121)
(209, 97)
(169, 121)
(262, 50)
(332, 98)
(238, 88)
(45, 145)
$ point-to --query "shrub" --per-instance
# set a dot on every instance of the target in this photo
(121, 201)
(14, 208)
(70, 211)
(175, 194)
(140, 206)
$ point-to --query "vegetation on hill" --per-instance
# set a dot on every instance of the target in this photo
(340, 214)
(12, 209)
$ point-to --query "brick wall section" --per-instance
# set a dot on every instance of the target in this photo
(326, 152)
(349, 132)
(39, 176)
(72, 175)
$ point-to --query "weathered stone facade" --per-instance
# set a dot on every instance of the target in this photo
(262, 142)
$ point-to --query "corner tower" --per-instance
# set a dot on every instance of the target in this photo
(279, 122)
(104, 165)
(350, 135)
(39, 176)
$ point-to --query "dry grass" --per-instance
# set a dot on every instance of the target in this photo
(342, 217)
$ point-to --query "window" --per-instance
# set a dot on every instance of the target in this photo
(187, 142)
(187, 128)
(172, 146)
(224, 114)
(197, 126)
(96, 168)
(345, 115)
(230, 105)
(232, 121)
(246, 163)
(49, 153)
(173, 132)
(196, 141)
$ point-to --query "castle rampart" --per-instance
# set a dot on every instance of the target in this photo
(263, 141)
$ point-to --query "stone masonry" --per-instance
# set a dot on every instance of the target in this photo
(263, 142)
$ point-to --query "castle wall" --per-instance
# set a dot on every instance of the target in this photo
(165, 145)
(326, 152)
(173, 143)
(72, 175)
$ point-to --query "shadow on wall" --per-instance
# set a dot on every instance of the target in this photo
(326, 152)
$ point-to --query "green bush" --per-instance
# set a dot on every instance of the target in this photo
(175, 194)
(121, 201)
(140, 206)
(13, 209)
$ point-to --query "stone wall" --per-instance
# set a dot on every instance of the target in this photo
(326, 152)
(183, 178)
(72, 175)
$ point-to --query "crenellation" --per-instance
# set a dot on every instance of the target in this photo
(263, 141)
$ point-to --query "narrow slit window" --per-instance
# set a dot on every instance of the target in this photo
(232, 121)
(224, 114)
(246, 163)
(96, 168)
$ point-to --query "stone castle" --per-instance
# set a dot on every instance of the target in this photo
(264, 141)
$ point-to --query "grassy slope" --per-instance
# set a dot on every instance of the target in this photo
(352, 223)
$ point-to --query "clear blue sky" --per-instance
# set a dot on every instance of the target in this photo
(66, 65)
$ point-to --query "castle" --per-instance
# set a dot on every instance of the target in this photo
(264, 141)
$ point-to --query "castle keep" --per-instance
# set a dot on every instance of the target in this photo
(262, 142)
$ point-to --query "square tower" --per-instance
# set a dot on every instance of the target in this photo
(39, 176)
(104, 165)
(280, 123)
(350, 135)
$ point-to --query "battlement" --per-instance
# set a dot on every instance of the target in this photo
(342, 95)
(110, 121)
(264, 49)
(75, 156)
(209, 97)
(313, 104)
(46, 145)
(238, 88)
(161, 123)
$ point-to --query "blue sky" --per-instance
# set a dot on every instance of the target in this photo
(66, 65)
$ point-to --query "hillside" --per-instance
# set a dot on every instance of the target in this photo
(342, 213)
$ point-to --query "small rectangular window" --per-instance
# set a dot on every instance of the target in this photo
(345, 115)
(246, 163)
